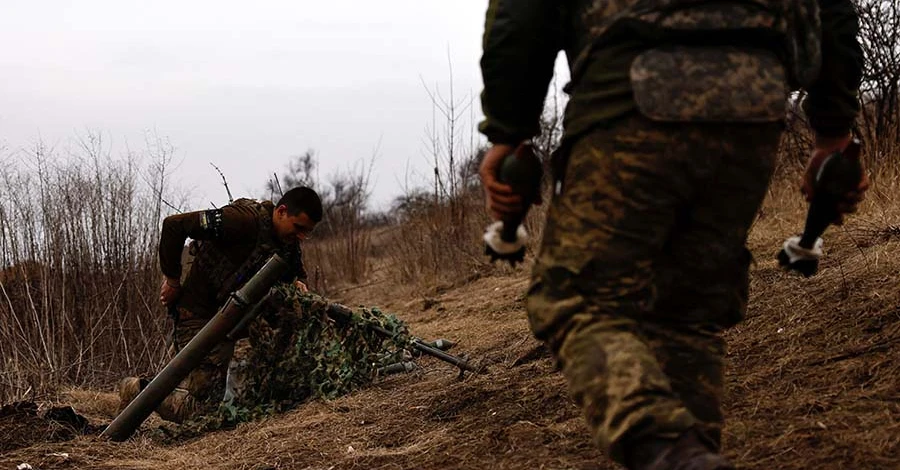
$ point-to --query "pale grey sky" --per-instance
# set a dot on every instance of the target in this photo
(244, 85)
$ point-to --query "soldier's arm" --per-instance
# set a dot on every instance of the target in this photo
(832, 103)
(228, 224)
(521, 41)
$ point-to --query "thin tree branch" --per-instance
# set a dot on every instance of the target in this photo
(224, 182)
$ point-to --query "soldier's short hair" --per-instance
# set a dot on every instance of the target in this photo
(302, 199)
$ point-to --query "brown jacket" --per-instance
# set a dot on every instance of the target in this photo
(224, 239)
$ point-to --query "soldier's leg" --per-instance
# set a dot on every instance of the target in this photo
(593, 281)
(702, 274)
(238, 371)
(692, 359)
(203, 389)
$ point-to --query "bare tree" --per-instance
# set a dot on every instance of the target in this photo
(880, 90)
(301, 171)
(78, 237)
(338, 250)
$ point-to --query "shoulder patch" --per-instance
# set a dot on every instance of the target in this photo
(211, 223)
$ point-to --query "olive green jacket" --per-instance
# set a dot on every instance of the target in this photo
(523, 37)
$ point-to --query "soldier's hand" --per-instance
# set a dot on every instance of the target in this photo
(823, 148)
(169, 291)
(500, 199)
(300, 285)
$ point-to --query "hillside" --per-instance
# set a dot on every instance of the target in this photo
(813, 381)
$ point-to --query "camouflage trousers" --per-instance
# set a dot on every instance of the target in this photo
(204, 388)
(220, 377)
(643, 264)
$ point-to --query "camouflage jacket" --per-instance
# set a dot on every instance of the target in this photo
(523, 37)
(229, 245)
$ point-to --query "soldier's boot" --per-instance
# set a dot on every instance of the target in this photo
(178, 406)
(129, 388)
(690, 451)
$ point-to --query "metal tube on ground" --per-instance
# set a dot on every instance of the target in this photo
(437, 353)
(241, 327)
(397, 368)
(344, 313)
(193, 353)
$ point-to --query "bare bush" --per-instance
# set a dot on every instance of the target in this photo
(879, 121)
(880, 90)
(440, 223)
(440, 228)
(338, 251)
(301, 171)
(78, 237)
(345, 222)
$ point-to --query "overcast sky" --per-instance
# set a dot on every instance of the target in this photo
(244, 85)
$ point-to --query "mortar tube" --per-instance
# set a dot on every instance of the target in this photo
(193, 353)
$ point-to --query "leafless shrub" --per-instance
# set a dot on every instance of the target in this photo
(301, 171)
(438, 239)
(880, 90)
(78, 238)
(338, 251)
(879, 120)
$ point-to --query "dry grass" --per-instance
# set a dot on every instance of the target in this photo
(78, 239)
(812, 383)
(815, 366)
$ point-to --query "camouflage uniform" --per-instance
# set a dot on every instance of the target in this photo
(230, 244)
(667, 155)
(643, 263)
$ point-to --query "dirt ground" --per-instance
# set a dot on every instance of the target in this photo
(813, 383)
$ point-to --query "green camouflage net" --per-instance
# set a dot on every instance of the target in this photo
(306, 353)
(298, 352)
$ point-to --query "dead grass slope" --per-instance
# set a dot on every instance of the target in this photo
(815, 369)
(814, 382)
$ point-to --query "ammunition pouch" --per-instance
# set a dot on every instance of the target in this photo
(709, 84)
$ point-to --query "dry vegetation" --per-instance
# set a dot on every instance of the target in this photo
(78, 231)
(813, 375)
(814, 371)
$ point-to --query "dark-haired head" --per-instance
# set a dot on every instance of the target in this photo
(296, 214)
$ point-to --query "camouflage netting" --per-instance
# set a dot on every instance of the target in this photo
(299, 352)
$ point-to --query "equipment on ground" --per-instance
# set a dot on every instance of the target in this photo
(231, 322)
(839, 174)
(217, 329)
(343, 313)
(522, 170)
